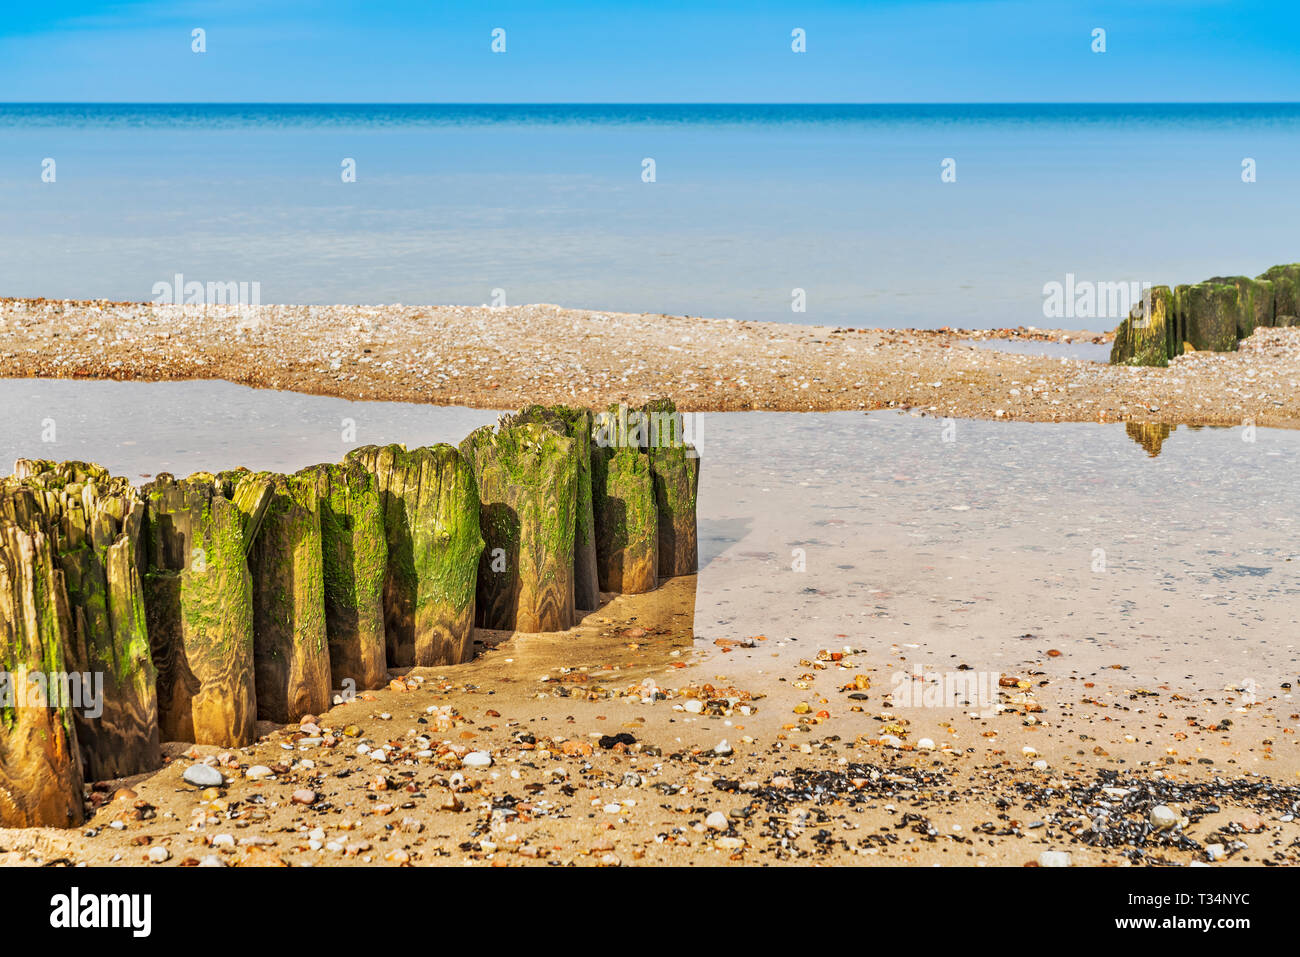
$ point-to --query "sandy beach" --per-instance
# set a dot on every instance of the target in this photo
(617, 744)
(507, 357)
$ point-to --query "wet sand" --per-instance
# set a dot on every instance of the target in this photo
(507, 357)
(594, 765)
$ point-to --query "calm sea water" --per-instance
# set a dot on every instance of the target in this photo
(547, 203)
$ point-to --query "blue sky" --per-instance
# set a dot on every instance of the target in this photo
(637, 51)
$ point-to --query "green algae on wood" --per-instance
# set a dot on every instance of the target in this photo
(1208, 313)
(623, 500)
(291, 660)
(431, 521)
(355, 563)
(40, 768)
(1211, 316)
(527, 476)
(1286, 293)
(675, 471)
(95, 521)
(1255, 299)
(1145, 338)
(577, 425)
(199, 609)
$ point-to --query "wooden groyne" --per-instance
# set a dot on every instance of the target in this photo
(1209, 316)
(191, 608)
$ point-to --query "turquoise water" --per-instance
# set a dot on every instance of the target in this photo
(547, 203)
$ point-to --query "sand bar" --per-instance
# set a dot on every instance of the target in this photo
(487, 357)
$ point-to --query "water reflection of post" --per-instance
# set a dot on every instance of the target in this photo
(1149, 435)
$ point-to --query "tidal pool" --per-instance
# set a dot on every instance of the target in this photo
(1146, 554)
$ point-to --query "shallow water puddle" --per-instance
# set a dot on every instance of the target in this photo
(969, 543)
(989, 544)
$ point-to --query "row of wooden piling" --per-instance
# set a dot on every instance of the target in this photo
(1213, 315)
(207, 603)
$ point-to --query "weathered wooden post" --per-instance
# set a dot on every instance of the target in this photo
(1208, 314)
(623, 500)
(95, 523)
(577, 425)
(1255, 300)
(290, 651)
(527, 474)
(355, 554)
(431, 520)
(40, 768)
(1150, 335)
(199, 608)
(675, 469)
(251, 493)
(1286, 293)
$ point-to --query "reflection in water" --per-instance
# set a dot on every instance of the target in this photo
(1149, 435)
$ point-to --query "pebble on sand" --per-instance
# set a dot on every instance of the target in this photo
(203, 776)
(1164, 818)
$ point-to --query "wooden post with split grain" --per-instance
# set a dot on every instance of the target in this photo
(251, 493)
(527, 475)
(431, 521)
(675, 469)
(290, 650)
(355, 562)
(95, 523)
(199, 608)
(623, 500)
(40, 768)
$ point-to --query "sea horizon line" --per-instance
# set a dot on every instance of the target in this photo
(655, 103)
